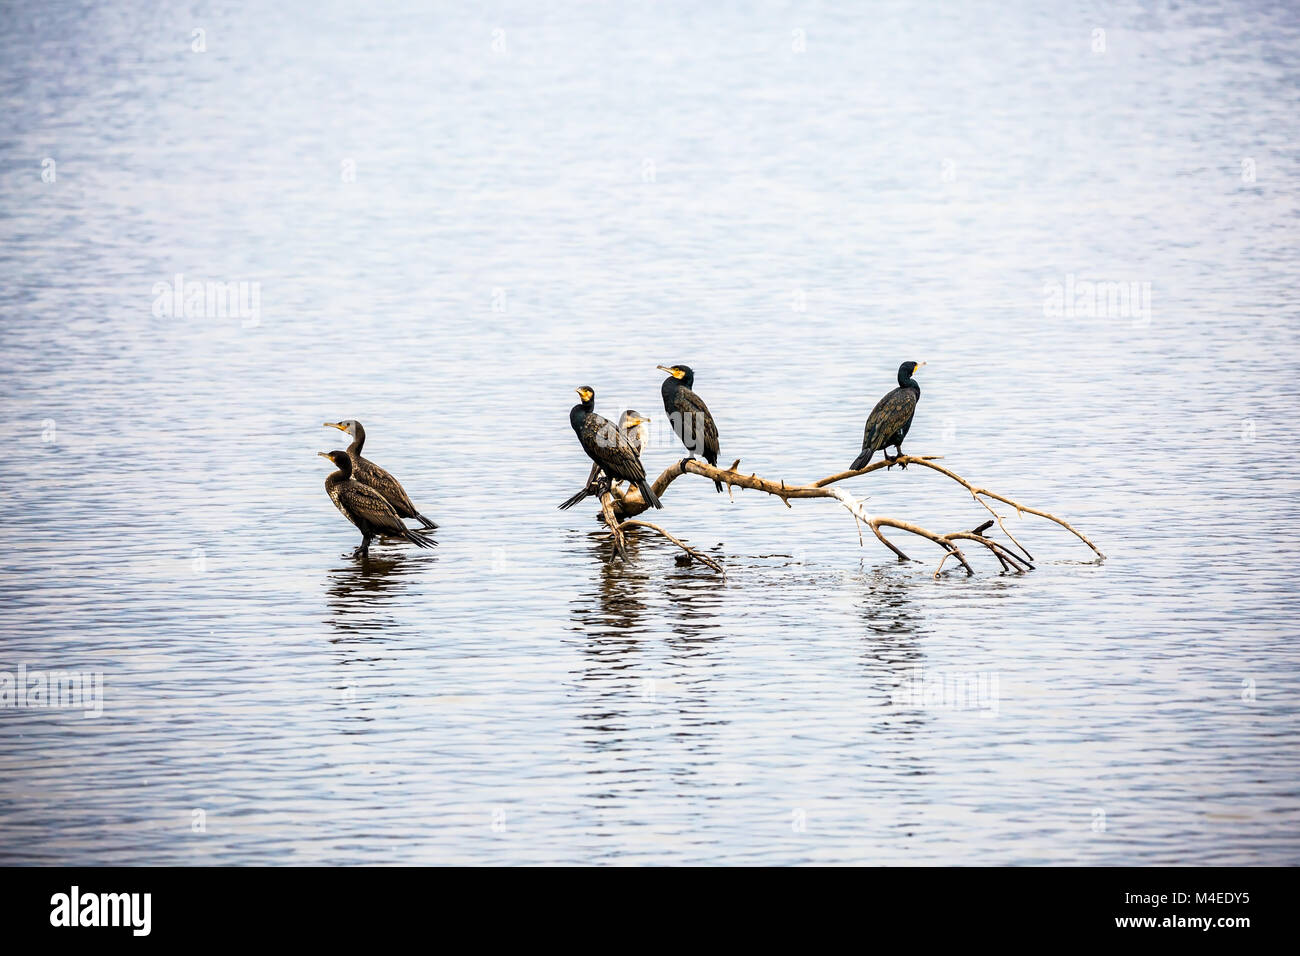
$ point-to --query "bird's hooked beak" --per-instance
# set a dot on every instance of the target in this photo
(918, 367)
(339, 425)
(675, 373)
(326, 456)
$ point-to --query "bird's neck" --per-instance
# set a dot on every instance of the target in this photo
(906, 381)
(578, 414)
(357, 442)
(672, 384)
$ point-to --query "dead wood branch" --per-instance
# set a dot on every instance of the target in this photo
(1015, 559)
(697, 555)
(979, 494)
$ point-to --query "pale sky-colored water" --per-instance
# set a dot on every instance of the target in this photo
(449, 228)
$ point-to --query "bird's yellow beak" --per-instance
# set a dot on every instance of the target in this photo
(919, 364)
(340, 427)
(671, 371)
(325, 456)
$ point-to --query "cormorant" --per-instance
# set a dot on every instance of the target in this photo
(891, 419)
(607, 446)
(366, 508)
(632, 424)
(368, 473)
(689, 415)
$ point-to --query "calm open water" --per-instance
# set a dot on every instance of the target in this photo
(452, 218)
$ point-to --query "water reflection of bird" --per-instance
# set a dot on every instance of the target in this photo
(891, 419)
(368, 473)
(606, 445)
(365, 507)
(359, 588)
(690, 417)
(633, 426)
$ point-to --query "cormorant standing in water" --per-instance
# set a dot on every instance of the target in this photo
(689, 415)
(606, 445)
(368, 473)
(891, 419)
(366, 508)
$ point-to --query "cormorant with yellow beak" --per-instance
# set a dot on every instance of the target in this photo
(890, 420)
(366, 508)
(633, 426)
(606, 445)
(368, 473)
(689, 415)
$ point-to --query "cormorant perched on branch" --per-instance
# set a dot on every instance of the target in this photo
(605, 444)
(368, 473)
(632, 424)
(689, 415)
(366, 508)
(891, 419)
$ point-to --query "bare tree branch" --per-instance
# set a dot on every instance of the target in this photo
(928, 461)
(1017, 560)
(697, 555)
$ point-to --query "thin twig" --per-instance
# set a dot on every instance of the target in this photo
(697, 555)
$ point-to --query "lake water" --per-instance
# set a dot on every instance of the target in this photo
(445, 221)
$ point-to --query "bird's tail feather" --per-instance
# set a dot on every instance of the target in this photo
(419, 538)
(576, 498)
(648, 494)
(428, 525)
(717, 485)
(863, 459)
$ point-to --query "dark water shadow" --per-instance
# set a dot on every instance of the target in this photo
(361, 588)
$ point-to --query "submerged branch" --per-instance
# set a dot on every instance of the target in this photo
(697, 555)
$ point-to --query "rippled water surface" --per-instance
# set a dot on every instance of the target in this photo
(452, 219)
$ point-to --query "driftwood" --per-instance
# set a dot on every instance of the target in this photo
(620, 509)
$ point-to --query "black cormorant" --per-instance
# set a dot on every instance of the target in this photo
(366, 508)
(606, 445)
(890, 420)
(689, 415)
(632, 424)
(368, 473)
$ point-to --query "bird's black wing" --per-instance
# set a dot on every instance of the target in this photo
(367, 507)
(368, 473)
(892, 414)
(606, 446)
(695, 425)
